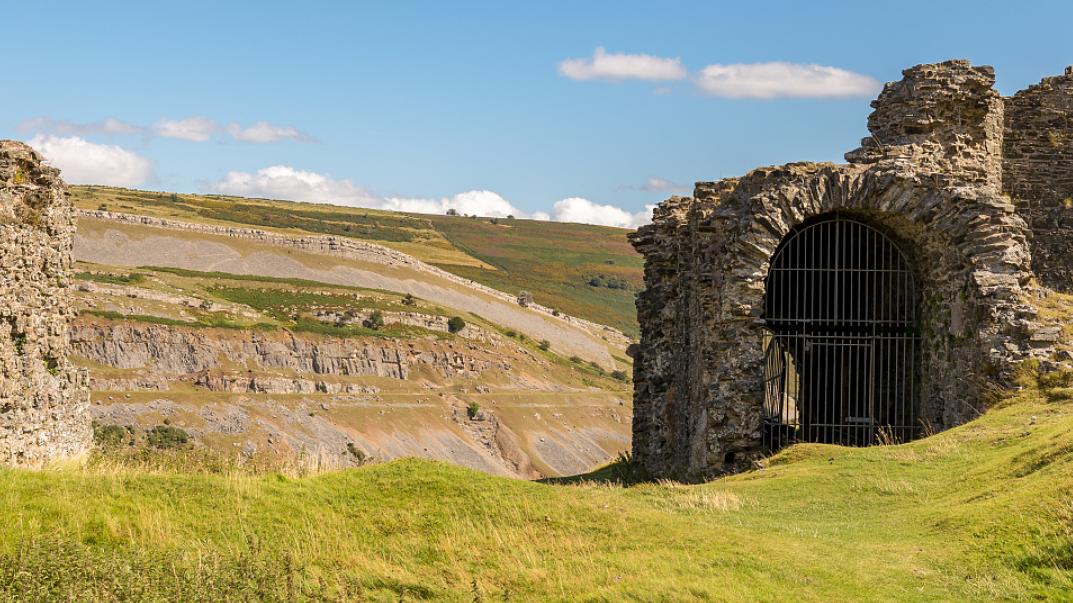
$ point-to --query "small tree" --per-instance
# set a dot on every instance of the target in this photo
(452, 212)
(409, 300)
(375, 320)
(525, 298)
(472, 409)
(544, 344)
(619, 375)
(510, 217)
(456, 324)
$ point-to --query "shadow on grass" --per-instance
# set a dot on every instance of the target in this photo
(623, 471)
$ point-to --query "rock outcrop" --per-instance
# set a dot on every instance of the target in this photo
(42, 395)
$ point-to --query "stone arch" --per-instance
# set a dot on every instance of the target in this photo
(977, 264)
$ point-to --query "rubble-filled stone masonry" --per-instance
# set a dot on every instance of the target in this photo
(42, 396)
(968, 182)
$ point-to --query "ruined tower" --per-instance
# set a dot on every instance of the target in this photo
(42, 396)
(861, 302)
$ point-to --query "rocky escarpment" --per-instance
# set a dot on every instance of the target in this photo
(208, 357)
(42, 398)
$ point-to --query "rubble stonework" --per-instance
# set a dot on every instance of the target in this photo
(930, 175)
(1037, 172)
(42, 395)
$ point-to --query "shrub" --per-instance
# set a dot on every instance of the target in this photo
(456, 324)
(472, 409)
(619, 375)
(452, 212)
(408, 300)
(167, 436)
(375, 320)
(544, 344)
(575, 359)
(596, 281)
(555, 313)
(510, 333)
(110, 436)
(596, 367)
(525, 298)
(102, 207)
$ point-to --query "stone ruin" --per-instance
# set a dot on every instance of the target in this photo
(964, 196)
(43, 398)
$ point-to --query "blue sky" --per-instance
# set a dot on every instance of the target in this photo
(429, 105)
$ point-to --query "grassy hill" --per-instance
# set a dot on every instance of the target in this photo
(586, 271)
(981, 512)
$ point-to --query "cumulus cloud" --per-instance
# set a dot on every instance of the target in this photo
(84, 162)
(658, 185)
(619, 66)
(476, 202)
(264, 132)
(578, 209)
(109, 125)
(196, 129)
(773, 80)
(285, 182)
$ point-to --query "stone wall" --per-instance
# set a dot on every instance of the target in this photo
(42, 395)
(1038, 172)
(930, 174)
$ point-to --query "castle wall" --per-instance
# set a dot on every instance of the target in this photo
(1038, 172)
(931, 175)
(42, 395)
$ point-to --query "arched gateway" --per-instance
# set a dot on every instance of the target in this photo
(842, 353)
(856, 303)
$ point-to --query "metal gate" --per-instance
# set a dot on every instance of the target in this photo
(842, 347)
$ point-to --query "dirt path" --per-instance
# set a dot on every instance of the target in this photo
(132, 245)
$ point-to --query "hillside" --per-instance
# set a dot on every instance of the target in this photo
(285, 369)
(981, 512)
(554, 261)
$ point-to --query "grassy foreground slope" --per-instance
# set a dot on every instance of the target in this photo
(981, 512)
(555, 261)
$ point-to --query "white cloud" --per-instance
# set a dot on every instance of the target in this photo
(83, 162)
(660, 185)
(476, 202)
(285, 182)
(109, 125)
(619, 66)
(196, 129)
(577, 209)
(263, 132)
(772, 80)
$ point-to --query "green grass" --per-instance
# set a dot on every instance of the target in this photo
(981, 512)
(554, 261)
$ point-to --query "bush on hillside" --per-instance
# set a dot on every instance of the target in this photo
(525, 298)
(375, 321)
(167, 436)
(456, 324)
(619, 375)
(544, 344)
